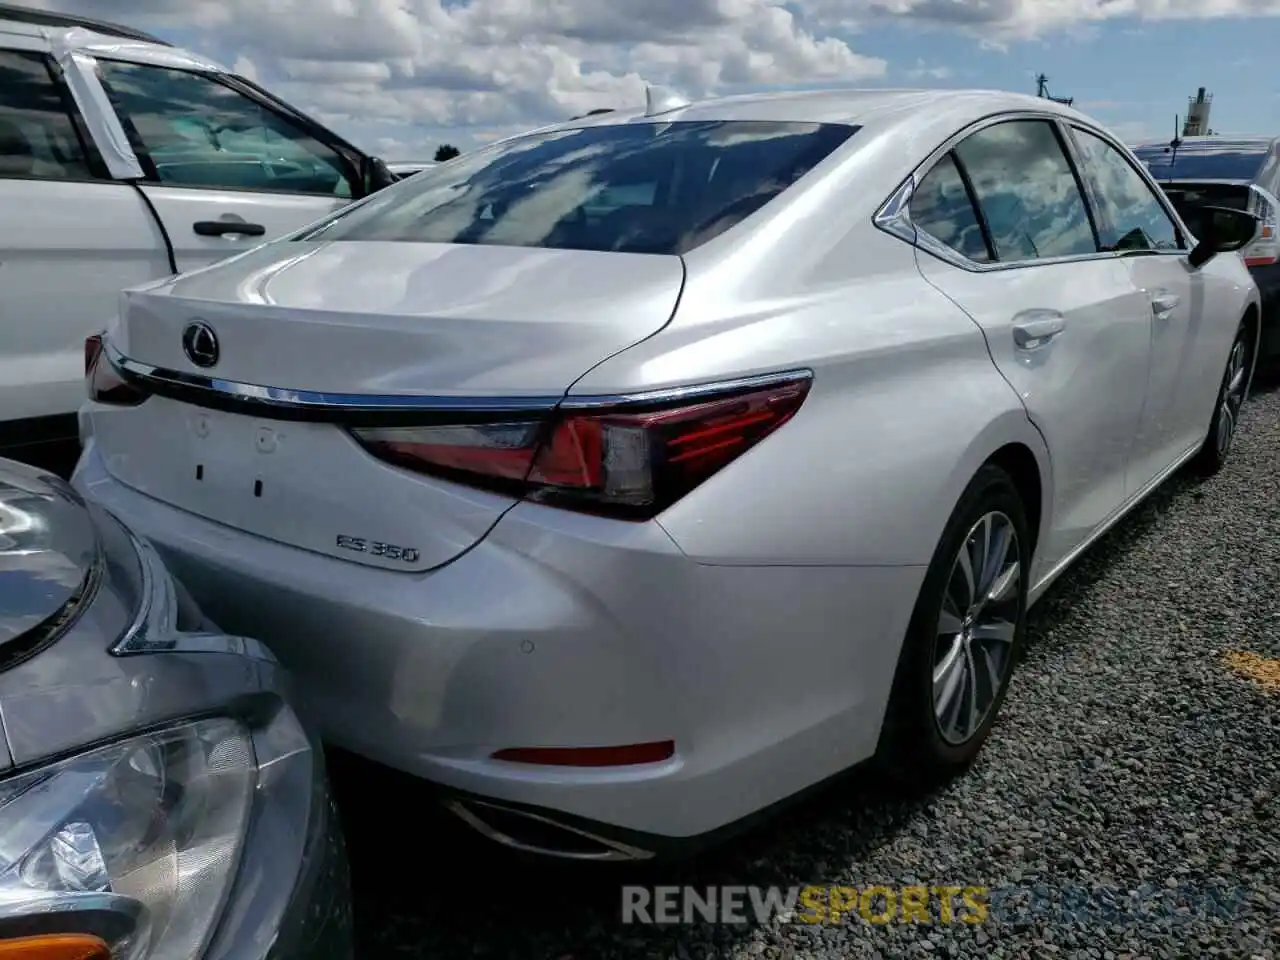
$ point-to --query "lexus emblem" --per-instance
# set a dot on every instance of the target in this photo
(200, 344)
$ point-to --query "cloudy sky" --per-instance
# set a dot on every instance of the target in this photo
(399, 77)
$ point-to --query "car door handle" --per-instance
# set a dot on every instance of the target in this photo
(220, 228)
(1035, 328)
(1162, 304)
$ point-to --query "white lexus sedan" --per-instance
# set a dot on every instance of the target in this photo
(626, 478)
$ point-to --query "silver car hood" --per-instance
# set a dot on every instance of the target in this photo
(48, 550)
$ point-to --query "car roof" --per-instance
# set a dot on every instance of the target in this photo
(60, 31)
(1215, 158)
(50, 18)
(1213, 144)
(859, 107)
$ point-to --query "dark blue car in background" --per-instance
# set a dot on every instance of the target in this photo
(1239, 172)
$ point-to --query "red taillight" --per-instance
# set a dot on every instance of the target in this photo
(631, 462)
(92, 350)
(103, 383)
(624, 756)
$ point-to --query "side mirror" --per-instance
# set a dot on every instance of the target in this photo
(1220, 230)
(375, 174)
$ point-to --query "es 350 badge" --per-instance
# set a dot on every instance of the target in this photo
(376, 548)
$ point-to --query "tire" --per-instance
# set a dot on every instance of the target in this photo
(921, 744)
(1212, 457)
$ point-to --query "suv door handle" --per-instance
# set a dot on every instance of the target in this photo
(1162, 304)
(220, 228)
(1033, 329)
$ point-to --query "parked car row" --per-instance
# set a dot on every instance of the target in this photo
(623, 480)
(551, 473)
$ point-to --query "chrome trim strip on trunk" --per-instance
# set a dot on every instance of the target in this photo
(277, 400)
(691, 392)
(348, 408)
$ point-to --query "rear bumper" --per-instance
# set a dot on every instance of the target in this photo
(558, 630)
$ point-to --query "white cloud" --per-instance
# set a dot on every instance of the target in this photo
(478, 66)
(1024, 19)
(405, 74)
(923, 71)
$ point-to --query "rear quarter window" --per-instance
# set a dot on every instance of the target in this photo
(639, 187)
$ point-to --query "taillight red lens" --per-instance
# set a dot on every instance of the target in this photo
(630, 462)
(495, 454)
(103, 382)
(92, 350)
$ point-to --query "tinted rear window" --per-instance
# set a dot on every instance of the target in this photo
(1226, 160)
(634, 187)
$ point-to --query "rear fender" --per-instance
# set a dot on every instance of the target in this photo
(868, 471)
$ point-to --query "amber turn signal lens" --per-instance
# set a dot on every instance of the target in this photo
(62, 946)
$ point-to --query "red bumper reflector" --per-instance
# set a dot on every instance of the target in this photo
(624, 756)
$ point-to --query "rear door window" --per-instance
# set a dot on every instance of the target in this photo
(1130, 216)
(640, 187)
(941, 207)
(1027, 191)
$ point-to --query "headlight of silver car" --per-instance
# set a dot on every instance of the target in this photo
(146, 831)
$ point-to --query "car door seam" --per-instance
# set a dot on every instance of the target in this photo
(164, 231)
(986, 342)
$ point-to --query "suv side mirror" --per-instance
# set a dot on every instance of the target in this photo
(375, 175)
(1220, 230)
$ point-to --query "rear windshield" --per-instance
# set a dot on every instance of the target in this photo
(1224, 160)
(633, 187)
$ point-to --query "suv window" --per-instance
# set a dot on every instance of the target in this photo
(1027, 191)
(1130, 216)
(199, 132)
(941, 207)
(37, 136)
(661, 187)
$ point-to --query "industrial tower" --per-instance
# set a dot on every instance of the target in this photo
(1197, 124)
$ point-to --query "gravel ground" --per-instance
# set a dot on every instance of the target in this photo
(1129, 757)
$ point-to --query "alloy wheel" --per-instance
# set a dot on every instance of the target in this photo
(1232, 397)
(977, 627)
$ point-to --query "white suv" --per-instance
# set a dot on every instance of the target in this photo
(124, 160)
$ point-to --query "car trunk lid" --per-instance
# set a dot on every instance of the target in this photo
(404, 318)
(369, 327)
